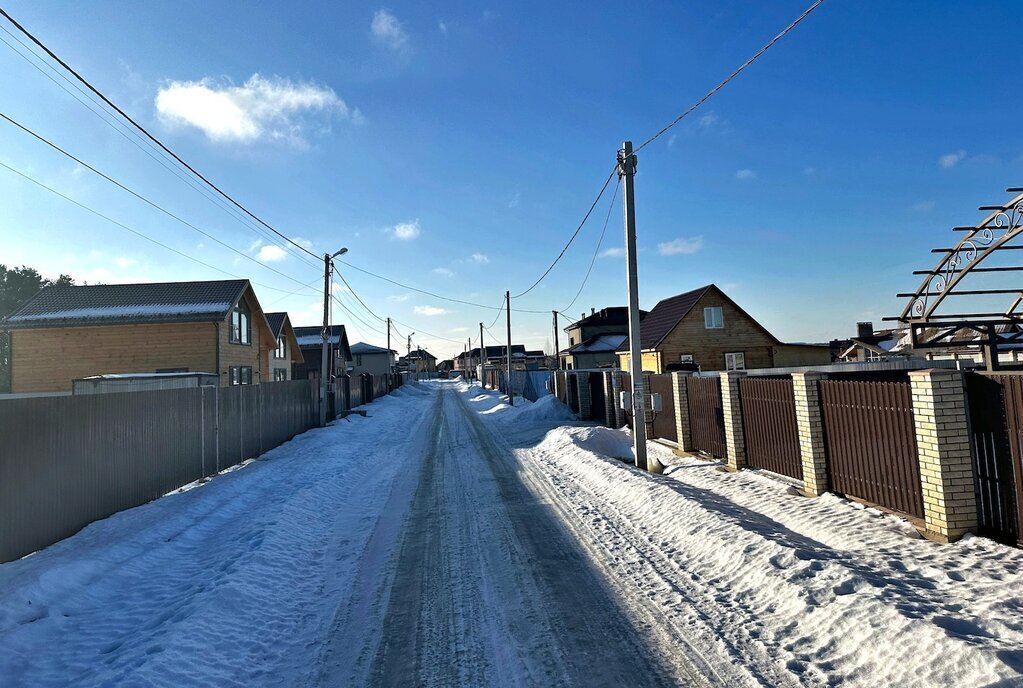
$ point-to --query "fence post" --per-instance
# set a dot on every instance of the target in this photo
(648, 408)
(582, 385)
(680, 389)
(944, 451)
(609, 399)
(810, 424)
(731, 408)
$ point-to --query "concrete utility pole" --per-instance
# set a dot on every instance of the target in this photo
(408, 354)
(627, 171)
(507, 309)
(390, 367)
(325, 333)
(468, 352)
(557, 348)
(483, 359)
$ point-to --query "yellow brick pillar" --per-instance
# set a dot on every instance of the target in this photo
(735, 440)
(943, 446)
(681, 392)
(810, 423)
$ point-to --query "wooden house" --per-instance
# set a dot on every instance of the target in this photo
(287, 352)
(310, 341)
(706, 329)
(69, 332)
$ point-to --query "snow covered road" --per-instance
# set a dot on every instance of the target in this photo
(450, 540)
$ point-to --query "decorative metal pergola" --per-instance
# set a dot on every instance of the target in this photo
(935, 314)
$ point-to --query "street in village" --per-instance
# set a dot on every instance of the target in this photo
(449, 539)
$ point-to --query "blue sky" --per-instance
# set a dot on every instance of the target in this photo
(455, 148)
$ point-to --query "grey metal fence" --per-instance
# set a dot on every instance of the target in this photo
(68, 461)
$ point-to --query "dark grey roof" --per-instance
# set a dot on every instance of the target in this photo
(310, 337)
(117, 304)
(606, 317)
(364, 348)
(277, 321)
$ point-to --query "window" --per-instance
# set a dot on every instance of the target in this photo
(358, 359)
(241, 323)
(241, 375)
(282, 347)
(735, 361)
(280, 375)
(873, 355)
(686, 358)
(713, 318)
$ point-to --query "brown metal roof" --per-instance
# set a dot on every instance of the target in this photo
(664, 317)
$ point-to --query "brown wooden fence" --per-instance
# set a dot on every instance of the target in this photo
(769, 423)
(871, 443)
(706, 418)
(996, 427)
(664, 422)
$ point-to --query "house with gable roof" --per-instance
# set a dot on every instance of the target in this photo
(287, 353)
(706, 329)
(65, 333)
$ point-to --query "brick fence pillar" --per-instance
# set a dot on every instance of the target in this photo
(648, 407)
(680, 390)
(944, 450)
(582, 385)
(810, 424)
(610, 410)
(735, 441)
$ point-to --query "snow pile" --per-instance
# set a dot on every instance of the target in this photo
(234, 582)
(809, 591)
(546, 409)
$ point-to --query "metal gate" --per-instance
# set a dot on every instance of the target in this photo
(706, 418)
(597, 402)
(573, 392)
(769, 424)
(871, 443)
(664, 422)
(996, 425)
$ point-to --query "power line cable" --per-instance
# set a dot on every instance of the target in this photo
(155, 140)
(142, 198)
(731, 76)
(132, 137)
(596, 251)
(572, 238)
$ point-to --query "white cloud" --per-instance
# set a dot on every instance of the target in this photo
(429, 310)
(480, 258)
(271, 253)
(399, 297)
(124, 261)
(456, 330)
(950, 160)
(388, 31)
(443, 26)
(709, 120)
(680, 246)
(745, 174)
(262, 108)
(515, 200)
(616, 252)
(443, 272)
(809, 171)
(671, 140)
(406, 231)
(924, 206)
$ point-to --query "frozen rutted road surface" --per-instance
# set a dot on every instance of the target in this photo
(407, 548)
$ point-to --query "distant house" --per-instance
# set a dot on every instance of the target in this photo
(593, 340)
(705, 328)
(869, 345)
(367, 358)
(447, 365)
(310, 341)
(418, 361)
(961, 345)
(495, 355)
(66, 333)
(287, 352)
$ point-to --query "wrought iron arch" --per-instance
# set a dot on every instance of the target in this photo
(993, 235)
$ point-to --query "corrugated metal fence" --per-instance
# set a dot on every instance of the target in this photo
(769, 425)
(706, 417)
(68, 461)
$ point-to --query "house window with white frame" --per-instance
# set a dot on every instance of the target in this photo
(282, 348)
(241, 323)
(735, 361)
(713, 318)
(241, 375)
(686, 358)
(280, 375)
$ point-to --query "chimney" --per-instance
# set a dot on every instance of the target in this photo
(582, 315)
(864, 329)
(593, 310)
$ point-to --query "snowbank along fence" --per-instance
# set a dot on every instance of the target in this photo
(941, 446)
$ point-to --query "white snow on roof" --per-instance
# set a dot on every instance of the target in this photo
(125, 311)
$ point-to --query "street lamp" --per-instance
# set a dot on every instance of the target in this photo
(325, 333)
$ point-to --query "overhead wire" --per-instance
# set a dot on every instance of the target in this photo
(142, 198)
(150, 136)
(596, 251)
(572, 238)
(134, 138)
(731, 76)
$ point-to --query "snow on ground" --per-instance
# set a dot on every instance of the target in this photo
(810, 591)
(232, 583)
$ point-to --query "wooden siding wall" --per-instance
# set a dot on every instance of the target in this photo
(709, 347)
(47, 360)
(255, 354)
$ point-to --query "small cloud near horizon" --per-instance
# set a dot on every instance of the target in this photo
(443, 272)
(616, 252)
(429, 310)
(924, 206)
(745, 174)
(680, 246)
(480, 258)
(406, 231)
